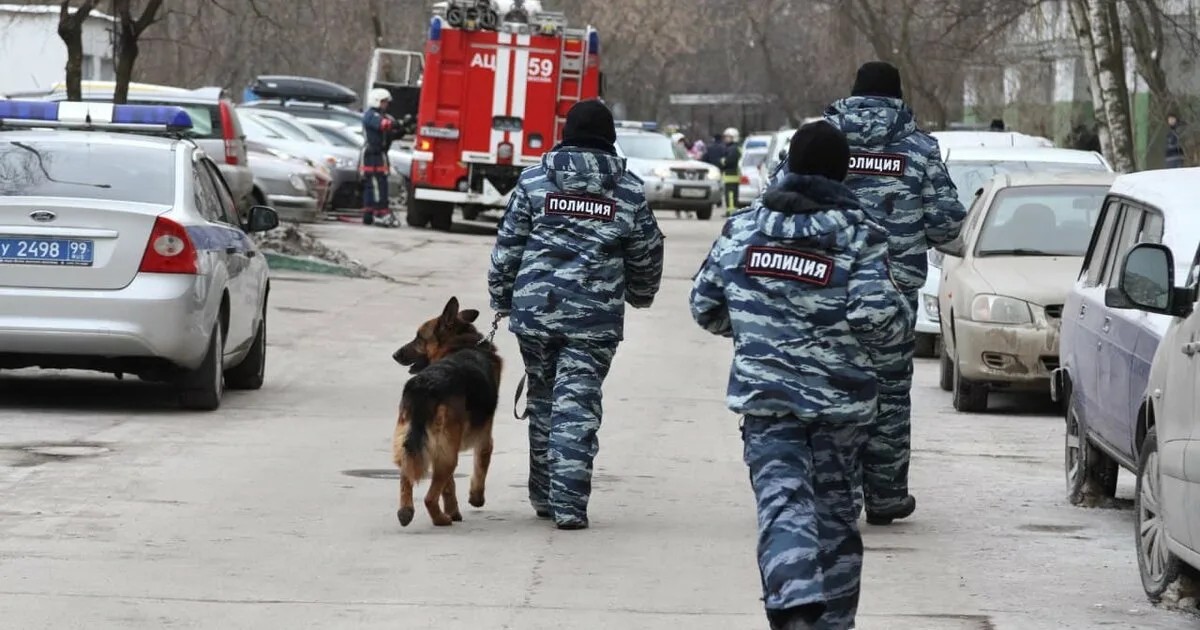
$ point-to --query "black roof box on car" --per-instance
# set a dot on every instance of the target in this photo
(302, 89)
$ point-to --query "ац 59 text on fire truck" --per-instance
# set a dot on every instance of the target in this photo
(490, 95)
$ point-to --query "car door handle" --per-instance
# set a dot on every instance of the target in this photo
(1190, 349)
(1107, 324)
(231, 250)
(250, 253)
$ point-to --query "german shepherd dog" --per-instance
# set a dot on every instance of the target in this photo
(447, 407)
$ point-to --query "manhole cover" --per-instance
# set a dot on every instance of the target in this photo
(1052, 529)
(67, 450)
(373, 474)
(390, 473)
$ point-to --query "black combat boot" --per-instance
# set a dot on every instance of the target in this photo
(803, 617)
(368, 217)
(904, 510)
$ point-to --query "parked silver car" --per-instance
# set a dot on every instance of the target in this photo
(125, 253)
(291, 135)
(294, 189)
(671, 182)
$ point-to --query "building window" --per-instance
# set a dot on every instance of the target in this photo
(107, 71)
(89, 68)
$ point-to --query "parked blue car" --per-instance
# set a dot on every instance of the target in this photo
(1106, 352)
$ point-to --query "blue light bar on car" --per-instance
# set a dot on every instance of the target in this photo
(70, 114)
(647, 125)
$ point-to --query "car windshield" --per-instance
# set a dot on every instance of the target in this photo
(1041, 221)
(253, 127)
(82, 170)
(754, 159)
(337, 138)
(648, 146)
(281, 128)
(969, 177)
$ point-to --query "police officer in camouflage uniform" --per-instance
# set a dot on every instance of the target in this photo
(800, 281)
(577, 243)
(896, 170)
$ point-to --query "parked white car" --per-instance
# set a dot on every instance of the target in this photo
(1153, 280)
(971, 167)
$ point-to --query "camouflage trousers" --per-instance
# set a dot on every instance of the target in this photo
(805, 482)
(563, 402)
(888, 448)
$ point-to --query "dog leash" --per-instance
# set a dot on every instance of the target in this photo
(520, 385)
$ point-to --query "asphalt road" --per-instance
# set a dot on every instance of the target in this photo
(278, 511)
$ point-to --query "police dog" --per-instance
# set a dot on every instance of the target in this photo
(447, 407)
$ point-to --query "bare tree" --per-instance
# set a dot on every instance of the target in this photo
(129, 31)
(70, 29)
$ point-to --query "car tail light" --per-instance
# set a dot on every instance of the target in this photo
(745, 180)
(231, 155)
(170, 249)
(504, 152)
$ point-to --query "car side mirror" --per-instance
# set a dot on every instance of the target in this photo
(262, 219)
(1147, 283)
(954, 248)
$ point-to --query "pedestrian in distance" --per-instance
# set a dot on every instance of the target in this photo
(800, 281)
(380, 129)
(714, 152)
(896, 170)
(1174, 157)
(578, 242)
(731, 169)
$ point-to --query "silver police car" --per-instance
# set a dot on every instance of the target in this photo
(122, 251)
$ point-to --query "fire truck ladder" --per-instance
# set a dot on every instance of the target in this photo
(574, 64)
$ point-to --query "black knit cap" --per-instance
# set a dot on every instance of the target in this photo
(589, 122)
(819, 148)
(877, 78)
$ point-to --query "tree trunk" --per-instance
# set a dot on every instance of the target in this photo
(129, 31)
(70, 29)
(1098, 25)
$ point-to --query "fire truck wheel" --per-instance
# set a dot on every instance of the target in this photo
(417, 214)
(471, 212)
(441, 217)
(704, 214)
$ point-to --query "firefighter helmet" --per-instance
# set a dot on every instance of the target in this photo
(732, 133)
(377, 96)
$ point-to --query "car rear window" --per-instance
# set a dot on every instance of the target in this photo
(206, 119)
(969, 177)
(82, 170)
(1041, 221)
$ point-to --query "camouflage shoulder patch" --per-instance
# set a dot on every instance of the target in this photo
(878, 164)
(579, 207)
(789, 264)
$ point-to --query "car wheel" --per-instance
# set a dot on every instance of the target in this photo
(251, 372)
(1159, 568)
(201, 389)
(704, 214)
(418, 212)
(442, 217)
(471, 212)
(926, 346)
(1090, 474)
(946, 376)
(969, 397)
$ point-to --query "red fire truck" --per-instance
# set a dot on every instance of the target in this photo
(489, 96)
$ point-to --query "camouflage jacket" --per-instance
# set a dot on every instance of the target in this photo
(801, 283)
(578, 241)
(898, 174)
